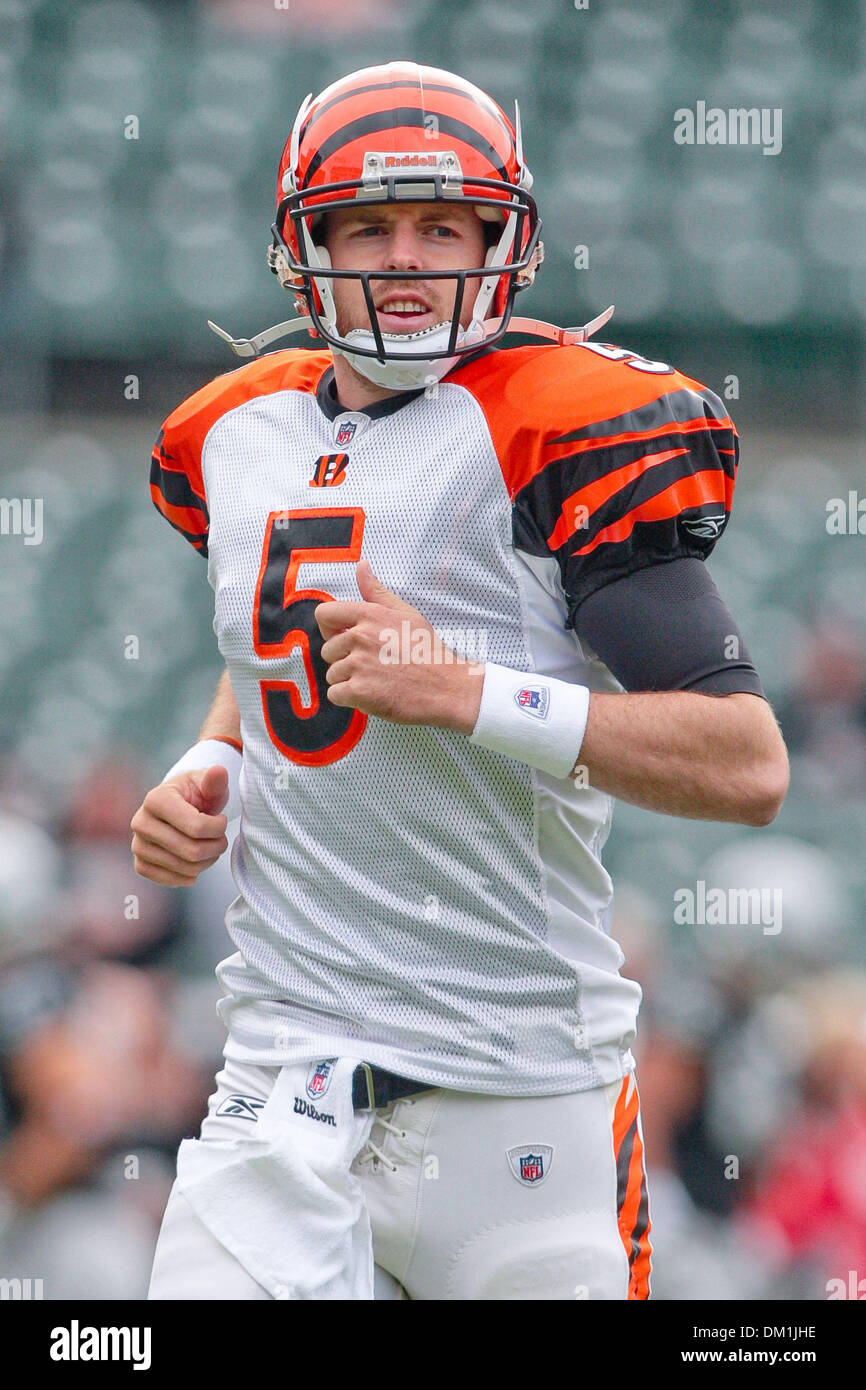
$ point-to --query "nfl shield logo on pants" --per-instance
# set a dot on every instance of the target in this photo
(530, 1163)
(319, 1077)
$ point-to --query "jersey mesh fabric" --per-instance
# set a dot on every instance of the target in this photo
(394, 902)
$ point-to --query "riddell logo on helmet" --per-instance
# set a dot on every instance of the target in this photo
(413, 161)
(379, 161)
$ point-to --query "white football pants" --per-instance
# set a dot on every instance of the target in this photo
(469, 1197)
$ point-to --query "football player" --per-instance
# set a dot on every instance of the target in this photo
(460, 594)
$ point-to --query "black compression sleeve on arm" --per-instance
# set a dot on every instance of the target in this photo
(667, 627)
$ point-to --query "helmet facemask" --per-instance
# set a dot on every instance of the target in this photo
(412, 359)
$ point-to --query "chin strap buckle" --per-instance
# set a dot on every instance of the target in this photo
(251, 347)
(563, 336)
(580, 335)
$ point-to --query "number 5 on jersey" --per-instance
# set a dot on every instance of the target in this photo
(318, 733)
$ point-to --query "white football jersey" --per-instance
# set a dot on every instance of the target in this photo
(403, 895)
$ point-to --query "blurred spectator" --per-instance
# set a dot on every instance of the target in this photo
(30, 877)
(696, 1252)
(824, 719)
(92, 1087)
(112, 912)
(810, 1204)
(106, 1056)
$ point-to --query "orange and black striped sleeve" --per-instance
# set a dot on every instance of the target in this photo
(612, 463)
(176, 476)
(640, 486)
(177, 488)
(623, 471)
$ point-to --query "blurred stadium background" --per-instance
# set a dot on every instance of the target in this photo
(746, 270)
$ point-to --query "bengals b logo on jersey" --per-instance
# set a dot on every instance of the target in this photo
(330, 470)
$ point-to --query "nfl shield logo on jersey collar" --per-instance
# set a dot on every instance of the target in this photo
(348, 426)
(530, 1163)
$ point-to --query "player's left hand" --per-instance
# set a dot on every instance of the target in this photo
(384, 658)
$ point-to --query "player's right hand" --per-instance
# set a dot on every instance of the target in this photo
(178, 830)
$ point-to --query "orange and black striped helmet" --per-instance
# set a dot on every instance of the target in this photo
(402, 131)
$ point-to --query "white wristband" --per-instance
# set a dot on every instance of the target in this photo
(536, 719)
(214, 752)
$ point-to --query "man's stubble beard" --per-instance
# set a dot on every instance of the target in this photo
(343, 329)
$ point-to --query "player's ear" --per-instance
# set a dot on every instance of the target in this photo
(491, 227)
(492, 223)
(322, 231)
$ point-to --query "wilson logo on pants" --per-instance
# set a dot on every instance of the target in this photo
(303, 1107)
